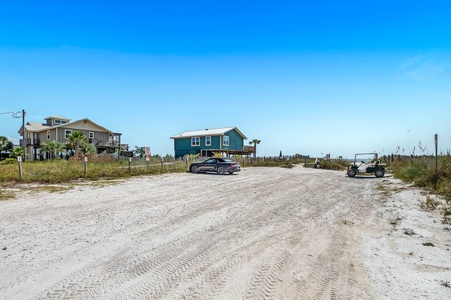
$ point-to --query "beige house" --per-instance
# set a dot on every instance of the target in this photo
(57, 128)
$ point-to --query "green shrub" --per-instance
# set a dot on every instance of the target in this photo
(421, 172)
(334, 164)
(8, 161)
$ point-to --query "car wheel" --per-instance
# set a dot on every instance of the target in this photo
(379, 173)
(352, 173)
(194, 169)
(221, 171)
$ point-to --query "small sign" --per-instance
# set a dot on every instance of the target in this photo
(86, 159)
(19, 158)
(436, 139)
(147, 153)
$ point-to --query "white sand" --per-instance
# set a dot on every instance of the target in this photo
(267, 233)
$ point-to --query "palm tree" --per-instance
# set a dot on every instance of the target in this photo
(139, 151)
(53, 148)
(75, 140)
(46, 148)
(255, 142)
(88, 149)
(5, 145)
(16, 152)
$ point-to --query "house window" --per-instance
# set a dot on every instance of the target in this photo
(68, 132)
(225, 140)
(195, 141)
(56, 121)
(208, 141)
(48, 134)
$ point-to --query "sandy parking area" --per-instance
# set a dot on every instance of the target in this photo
(267, 233)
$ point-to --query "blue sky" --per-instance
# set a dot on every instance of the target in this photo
(307, 77)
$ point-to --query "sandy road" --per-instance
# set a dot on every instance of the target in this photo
(267, 233)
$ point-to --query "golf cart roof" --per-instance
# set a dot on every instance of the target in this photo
(368, 153)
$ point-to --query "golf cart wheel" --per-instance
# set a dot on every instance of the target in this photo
(194, 169)
(221, 171)
(352, 173)
(379, 173)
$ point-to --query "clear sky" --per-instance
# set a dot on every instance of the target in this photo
(307, 77)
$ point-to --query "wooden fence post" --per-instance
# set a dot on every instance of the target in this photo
(85, 165)
(19, 160)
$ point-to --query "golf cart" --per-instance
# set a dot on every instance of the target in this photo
(372, 167)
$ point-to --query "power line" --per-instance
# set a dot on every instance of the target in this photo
(16, 115)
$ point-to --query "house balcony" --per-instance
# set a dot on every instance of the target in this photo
(31, 142)
(110, 145)
(249, 149)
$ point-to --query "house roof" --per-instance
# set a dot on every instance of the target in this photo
(206, 132)
(58, 117)
(84, 120)
(37, 127)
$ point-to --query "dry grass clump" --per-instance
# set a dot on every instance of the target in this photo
(422, 172)
(5, 195)
(429, 203)
(409, 231)
(58, 171)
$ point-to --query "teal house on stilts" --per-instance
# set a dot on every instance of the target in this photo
(209, 142)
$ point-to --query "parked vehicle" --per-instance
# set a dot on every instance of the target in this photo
(215, 164)
(375, 167)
